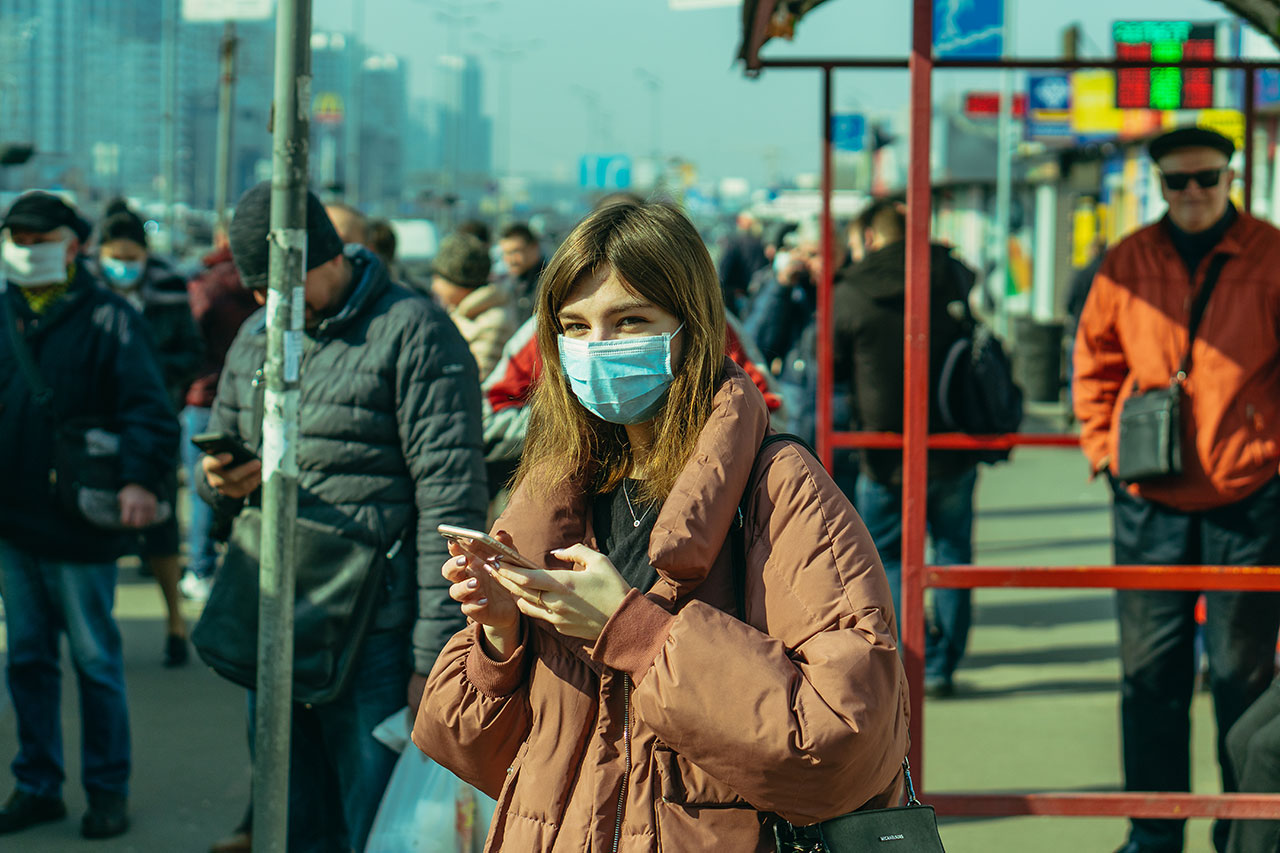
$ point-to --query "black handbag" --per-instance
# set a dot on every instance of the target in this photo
(338, 586)
(1149, 445)
(86, 474)
(912, 828)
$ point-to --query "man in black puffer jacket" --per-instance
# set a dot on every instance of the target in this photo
(870, 303)
(91, 350)
(389, 447)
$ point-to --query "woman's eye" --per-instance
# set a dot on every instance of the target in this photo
(574, 328)
(626, 322)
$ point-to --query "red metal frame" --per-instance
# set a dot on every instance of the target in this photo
(915, 440)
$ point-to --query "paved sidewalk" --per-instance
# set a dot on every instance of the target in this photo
(1037, 707)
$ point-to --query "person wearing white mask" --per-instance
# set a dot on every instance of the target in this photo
(71, 352)
(150, 285)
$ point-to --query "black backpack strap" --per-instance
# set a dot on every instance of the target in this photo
(40, 390)
(738, 530)
(1198, 308)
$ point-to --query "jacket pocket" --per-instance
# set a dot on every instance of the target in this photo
(682, 782)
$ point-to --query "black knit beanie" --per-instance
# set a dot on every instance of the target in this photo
(250, 227)
(123, 225)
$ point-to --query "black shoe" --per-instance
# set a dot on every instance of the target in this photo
(939, 688)
(106, 817)
(1135, 847)
(175, 650)
(25, 809)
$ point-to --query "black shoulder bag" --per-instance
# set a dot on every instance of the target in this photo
(1149, 445)
(912, 828)
(86, 475)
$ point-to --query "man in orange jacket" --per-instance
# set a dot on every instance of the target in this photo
(1222, 509)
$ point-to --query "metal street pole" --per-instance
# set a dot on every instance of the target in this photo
(226, 123)
(169, 57)
(1004, 189)
(354, 112)
(286, 308)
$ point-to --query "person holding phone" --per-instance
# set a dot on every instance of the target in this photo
(621, 694)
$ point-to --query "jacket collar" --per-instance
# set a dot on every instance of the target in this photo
(695, 519)
(480, 300)
(371, 281)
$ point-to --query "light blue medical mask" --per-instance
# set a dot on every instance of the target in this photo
(622, 381)
(120, 273)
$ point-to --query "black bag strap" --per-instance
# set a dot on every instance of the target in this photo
(737, 538)
(40, 390)
(1197, 310)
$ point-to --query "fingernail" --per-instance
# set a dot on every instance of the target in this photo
(473, 583)
(483, 601)
(461, 561)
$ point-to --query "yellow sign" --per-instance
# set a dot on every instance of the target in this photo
(326, 108)
(1230, 123)
(1093, 103)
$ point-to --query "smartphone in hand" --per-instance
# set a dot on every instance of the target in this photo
(482, 544)
(215, 443)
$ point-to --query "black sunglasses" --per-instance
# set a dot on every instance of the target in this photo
(1205, 178)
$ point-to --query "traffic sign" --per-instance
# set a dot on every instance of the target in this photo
(987, 104)
(226, 10)
(968, 29)
(1048, 106)
(604, 171)
(849, 132)
(326, 108)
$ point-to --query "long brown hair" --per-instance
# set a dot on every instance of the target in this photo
(657, 254)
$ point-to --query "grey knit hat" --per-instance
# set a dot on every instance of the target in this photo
(252, 223)
(463, 260)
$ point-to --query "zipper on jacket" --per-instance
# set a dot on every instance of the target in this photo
(626, 750)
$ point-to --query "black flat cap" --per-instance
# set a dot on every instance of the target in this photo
(1190, 137)
(252, 223)
(44, 212)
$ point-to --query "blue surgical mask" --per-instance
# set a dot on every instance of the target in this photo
(623, 381)
(122, 273)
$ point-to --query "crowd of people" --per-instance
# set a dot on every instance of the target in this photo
(634, 422)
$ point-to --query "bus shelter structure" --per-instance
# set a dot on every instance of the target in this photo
(760, 18)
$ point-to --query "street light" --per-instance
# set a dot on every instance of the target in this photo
(654, 84)
(506, 51)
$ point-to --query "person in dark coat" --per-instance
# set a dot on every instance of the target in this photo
(743, 256)
(58, 572)
(389, 447)
(870, 303)
(522, 255)
(220, 304)
(151, 286)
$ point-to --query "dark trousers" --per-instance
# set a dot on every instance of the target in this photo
(1157, 637)
(1254, 746)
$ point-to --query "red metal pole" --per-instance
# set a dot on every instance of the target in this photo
(1250, 78)
(915, 397)
(825, 379)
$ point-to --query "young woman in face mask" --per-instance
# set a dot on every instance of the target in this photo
(621, 698)
(125, 265)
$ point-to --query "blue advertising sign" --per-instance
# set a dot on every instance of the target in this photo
(1048, 106)
(604, 171)
(1266, 88)
(968, 29)
(849, 131)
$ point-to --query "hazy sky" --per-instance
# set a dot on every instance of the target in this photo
(574, 51)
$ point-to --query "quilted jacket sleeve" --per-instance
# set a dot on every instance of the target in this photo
(438, 417)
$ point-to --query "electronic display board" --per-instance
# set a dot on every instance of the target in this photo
(1164, 41)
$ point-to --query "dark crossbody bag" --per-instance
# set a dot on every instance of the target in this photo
(1149, 445)
(339, 584)
(912, 828)
(86, 474)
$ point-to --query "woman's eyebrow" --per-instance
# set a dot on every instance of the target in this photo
(634, 305)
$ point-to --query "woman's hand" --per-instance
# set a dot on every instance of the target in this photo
(576, 602)
(483, 599)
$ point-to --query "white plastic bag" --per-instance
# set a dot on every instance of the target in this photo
(425, 808)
